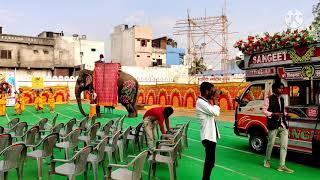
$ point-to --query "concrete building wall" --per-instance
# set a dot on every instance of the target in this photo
(159, 54)
(158, 75)
(91, 50)
(175, 55)
(122, 46)
(126, 47)
(24, 55)
(143, 46)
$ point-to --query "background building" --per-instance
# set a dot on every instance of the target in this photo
(175, 56)
(131, 46)
(159, 56)
(48, 54)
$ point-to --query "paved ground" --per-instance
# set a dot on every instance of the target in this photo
(234, 160)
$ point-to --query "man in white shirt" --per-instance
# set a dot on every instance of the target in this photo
(209, 131)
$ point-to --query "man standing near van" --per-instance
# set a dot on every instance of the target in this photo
(206, 113)
(273, 108)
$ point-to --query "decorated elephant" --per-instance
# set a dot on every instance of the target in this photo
(127, 90)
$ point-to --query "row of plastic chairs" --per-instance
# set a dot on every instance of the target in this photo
(120, 140)
(167, 150)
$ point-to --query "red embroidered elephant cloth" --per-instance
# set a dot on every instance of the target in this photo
(105, 78)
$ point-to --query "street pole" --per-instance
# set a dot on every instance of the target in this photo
(81, 54)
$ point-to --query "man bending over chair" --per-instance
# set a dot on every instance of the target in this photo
(153, 117)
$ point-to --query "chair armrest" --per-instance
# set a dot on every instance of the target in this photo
(163, 150)
(118, 166)
(163, 141)
(167, 136)
(131, 156)
(61, 160)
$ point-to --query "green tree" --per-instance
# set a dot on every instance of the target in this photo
(316, 13)
(197, 66)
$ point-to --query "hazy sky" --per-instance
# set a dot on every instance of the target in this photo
(96, 18)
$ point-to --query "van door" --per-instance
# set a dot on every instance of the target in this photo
(250, 105)
(250, 120)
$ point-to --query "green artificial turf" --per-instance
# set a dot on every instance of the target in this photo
(233, 158)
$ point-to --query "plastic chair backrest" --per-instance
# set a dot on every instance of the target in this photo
(54, 120)
(5, 141)
(94, 130)
(101, 147)
(115, 139)
(93, 120)
(20, 128)
(57, 128)
(138, 128)
(42, 123)
(120, 125)
(80, 159)
(107, 126)
(31, 135)
(187, 127)
(138, 165)
(70, 125)
(13, 156)
(13, 122)
(48, 144)
(83, 123)
(124, 136)
(73, 137)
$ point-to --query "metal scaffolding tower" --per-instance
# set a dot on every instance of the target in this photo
(207, 38)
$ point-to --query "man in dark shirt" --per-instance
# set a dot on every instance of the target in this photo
(273, 108)
(153, 117)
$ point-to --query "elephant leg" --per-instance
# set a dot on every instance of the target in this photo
(133, 110)
(98, 111)
(134, 107)
(128, 109)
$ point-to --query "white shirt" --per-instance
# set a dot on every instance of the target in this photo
(206, 113)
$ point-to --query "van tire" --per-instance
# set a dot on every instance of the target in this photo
(258, 142)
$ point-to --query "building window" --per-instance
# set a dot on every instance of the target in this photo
(5, 54)
(45, 52)
(35, 51)
(148, 56)
(138, 55)
(143, 43)
(159, 62)
(93, 49)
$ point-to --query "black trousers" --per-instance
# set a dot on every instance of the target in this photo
(210, 148)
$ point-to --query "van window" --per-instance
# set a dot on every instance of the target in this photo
(299, 92)
(254, 95)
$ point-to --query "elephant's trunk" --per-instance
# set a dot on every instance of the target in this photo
(78, 97)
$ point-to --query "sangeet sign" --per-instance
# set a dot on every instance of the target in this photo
(294, 55)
